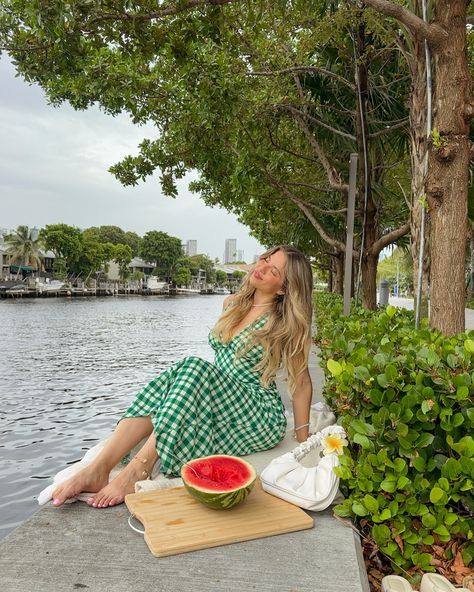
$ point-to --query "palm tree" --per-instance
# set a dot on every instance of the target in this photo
(24, 246)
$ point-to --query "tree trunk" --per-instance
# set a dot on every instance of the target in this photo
(471, 261)
(448, 169)
(369, 284)
(419, 149)
(338, 273)
(364, 185)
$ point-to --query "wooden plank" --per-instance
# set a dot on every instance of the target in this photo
(176, 523)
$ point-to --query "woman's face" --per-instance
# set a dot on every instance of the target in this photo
(269, 274)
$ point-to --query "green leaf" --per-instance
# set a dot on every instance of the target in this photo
(469, 345)
(462, 393)
(419, 464)
(343, 511)
(443, 483)
(376, 397)
(402, 482)
(399, 464)
(428, 520)
(363, 441)
(451, 468)
(362, 427)
(359, 509)
(458, 419)
(436, 494)
(424, 440)
(450, 518)
(442, 531)
(388, 486)
(361, 373)
(371, 503)
(465, 446)
(385, 514)
(382, 380)
(391, 311)
(334, 367)
(391, 373)
(381, 534)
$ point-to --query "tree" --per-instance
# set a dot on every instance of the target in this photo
(181, 275)
(114, 235)
(66, 243)
(24, 247)
(161, 249)
(122, 255)
(93, 257)
(198, 262)
(221, 277)
(449, 151)
(232, 99)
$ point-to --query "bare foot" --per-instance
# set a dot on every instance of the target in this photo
(91, 479)
(114, 493)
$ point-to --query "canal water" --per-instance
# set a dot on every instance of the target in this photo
(68, 367)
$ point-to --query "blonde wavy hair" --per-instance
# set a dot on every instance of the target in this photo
(286, 336)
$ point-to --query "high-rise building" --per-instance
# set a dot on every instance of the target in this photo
(230, 253)
(240, 255)
(191, 248)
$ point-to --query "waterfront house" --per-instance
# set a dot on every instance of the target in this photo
(136, 264)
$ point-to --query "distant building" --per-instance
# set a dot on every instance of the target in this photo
(240, 255)
(230, 253)
(191, 248)
(135, 264)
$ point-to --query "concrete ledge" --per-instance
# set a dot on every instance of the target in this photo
(75, 547)
(78, 548)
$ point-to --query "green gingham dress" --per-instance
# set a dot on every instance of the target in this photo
(198, 408)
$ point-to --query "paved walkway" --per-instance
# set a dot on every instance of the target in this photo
(78, 548)
(408, 303)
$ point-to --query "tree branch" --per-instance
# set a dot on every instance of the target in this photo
(333, 177)
(389, 129)
(389, 238)
(317, 121)
(171, 10)
(314, 188)
(338, 245)
(279, 147)
(434, 34)
(294, 69)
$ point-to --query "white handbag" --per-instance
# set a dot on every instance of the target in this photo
(314, 487)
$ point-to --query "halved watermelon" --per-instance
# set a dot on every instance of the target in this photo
(219, 481)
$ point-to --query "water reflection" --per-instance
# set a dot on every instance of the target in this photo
(69, 367)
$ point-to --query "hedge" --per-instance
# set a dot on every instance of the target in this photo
(405, 398)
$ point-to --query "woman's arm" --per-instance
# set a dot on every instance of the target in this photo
(302, 404)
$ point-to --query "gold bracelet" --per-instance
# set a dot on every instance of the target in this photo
(143, 461)
(299, 428)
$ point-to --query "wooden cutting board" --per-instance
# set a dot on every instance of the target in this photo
(176, 523)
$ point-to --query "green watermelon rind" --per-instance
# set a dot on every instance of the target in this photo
(226, 499)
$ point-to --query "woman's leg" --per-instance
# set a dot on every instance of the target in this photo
(138, 468)
(128, 433)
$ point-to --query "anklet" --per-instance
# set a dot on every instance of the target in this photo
(143, 461)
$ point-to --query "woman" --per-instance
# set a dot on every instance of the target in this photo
(232, 407)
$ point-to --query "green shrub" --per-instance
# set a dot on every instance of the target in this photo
(405, 398)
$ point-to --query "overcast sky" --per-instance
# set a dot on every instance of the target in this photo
(53, 168)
